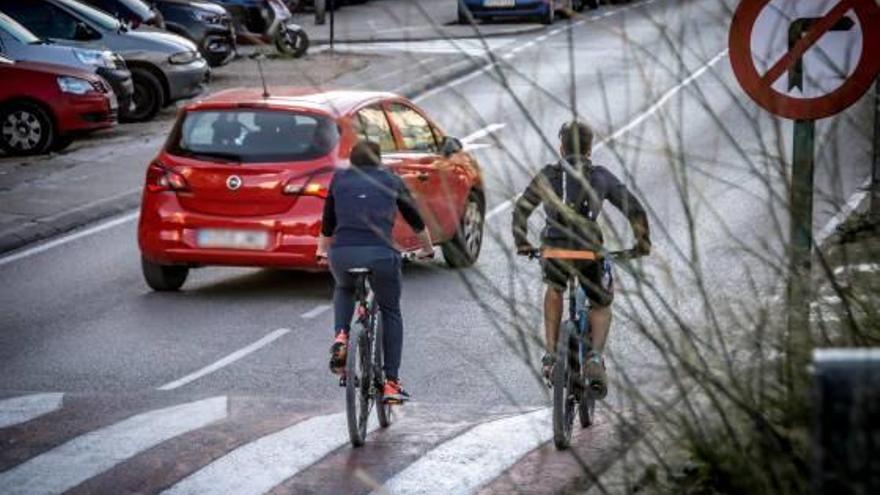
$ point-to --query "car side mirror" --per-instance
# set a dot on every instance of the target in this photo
(83, 32)
(451, 146)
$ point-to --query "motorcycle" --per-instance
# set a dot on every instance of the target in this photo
(267, 21)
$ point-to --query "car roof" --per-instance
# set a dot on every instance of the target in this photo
(332, 102)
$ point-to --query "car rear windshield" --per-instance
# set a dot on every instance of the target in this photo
(254, 136)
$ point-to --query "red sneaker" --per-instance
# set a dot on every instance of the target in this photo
(393, 393)
(338, 353)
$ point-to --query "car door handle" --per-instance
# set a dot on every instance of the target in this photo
(423, 176)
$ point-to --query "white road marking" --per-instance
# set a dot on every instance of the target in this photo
(316, 311)
(499, 209)
(235, 356)
(466, 462)
(259, 466)
(27, 407)
(854, 201)
(68, 465)
(481, 133)
(58, 241)
(860, 268)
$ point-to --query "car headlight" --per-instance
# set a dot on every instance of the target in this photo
(74, 85)
(181, 58)
(208, 17)
(95, 57)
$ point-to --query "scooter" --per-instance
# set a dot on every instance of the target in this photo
(267, 21)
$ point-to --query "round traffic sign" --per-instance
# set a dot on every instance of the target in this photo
(761, 86)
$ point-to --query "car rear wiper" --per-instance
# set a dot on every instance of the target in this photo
(219, 155)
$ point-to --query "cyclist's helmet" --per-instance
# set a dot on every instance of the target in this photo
(576, 138)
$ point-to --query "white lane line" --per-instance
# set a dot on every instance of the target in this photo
(25, 408)
(499, 209)
(481, 133)
(109, 224)
(666, 96)
(636, 121)
(854, 201)
(235, 356)
(68, 465)
(468, 461)
(316, 311)
(257, 467)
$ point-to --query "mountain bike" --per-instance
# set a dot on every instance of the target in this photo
(364, 377)
(571, 392)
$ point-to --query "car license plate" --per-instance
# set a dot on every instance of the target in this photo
(499, 3)
(233, 239)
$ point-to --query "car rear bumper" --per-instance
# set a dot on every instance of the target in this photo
(523, 9)
(188, 80)
(166, 235)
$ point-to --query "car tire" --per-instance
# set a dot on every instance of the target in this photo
(548, 17)
(26, 129)
(148, 96)
(292, 43)
(592, 4)
(163, 278)
(464, 248)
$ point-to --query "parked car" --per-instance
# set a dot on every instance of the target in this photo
(17, 43)
(134, 12)
(208, 25)
(242, 180)
(44, 106)
(544, 10)
(267, 21)
(165, 67)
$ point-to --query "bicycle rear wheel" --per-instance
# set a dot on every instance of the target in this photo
(563, 393)
(358, 380)
(383, 410)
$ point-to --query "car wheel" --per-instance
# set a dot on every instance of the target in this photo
(147, 98)
(549, 16)
(292, 42)
(25, 129)
(464, 249)
(163, 277)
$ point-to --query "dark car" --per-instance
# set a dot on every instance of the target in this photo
(206, 24)
(134, 12)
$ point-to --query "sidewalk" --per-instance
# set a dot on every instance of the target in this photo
(102, 175)
(405, 20)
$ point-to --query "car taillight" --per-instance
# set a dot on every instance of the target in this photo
(307, 189)
(160, 179)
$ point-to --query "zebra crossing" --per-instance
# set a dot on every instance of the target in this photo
(245, 445)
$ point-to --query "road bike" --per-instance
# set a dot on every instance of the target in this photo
(571, 390)
(364, 377)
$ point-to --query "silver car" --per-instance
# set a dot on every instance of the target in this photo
(165, 67)
(17, 43)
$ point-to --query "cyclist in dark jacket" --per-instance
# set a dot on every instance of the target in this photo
(359, 214)
(573, 191)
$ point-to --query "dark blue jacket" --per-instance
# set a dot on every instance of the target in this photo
(362, 204)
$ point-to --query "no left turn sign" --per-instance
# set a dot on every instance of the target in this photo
(806, 59)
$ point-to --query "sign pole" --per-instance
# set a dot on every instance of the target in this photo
(332, 23)
(801, 246)
(874, 210)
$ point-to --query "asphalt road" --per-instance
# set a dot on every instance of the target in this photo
(77, 318)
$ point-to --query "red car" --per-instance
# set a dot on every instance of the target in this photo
(242, 180)
(43, 106)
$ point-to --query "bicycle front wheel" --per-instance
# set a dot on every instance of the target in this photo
(563, 393)
(358, 380)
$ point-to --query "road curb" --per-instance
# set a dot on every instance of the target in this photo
(42, 229)
(439, 37)
(48, 227)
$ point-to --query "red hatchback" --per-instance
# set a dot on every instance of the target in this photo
(43, 106)
(242, 180)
